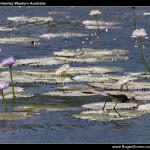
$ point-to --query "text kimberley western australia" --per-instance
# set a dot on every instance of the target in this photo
(22, 3)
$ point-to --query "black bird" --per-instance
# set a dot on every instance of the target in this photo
(119, 98)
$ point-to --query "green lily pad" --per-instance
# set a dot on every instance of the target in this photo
(14, 116)
(90, 55)
(74, 93)
(7, 28)
(144, 107)
(92, 24)
(131, 86)
(90, 52)
(36, 62)
(32, 19)
(56, 107)
(110, 116)
(64, 35)
(102, 23)
(16, 40)
(34, 77)
(109, 105)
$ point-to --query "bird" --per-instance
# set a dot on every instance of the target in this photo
(119, 98)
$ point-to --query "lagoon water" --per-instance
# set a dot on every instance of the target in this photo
(59, 126)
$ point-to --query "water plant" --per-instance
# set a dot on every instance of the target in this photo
(4, 85)
(96, 13)
(134, 17)
(9, 62)
(139, 33)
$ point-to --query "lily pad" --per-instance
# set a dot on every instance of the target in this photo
(90, 55)
(75, 93)
(103, 23)
(109, 105)
(80, 87)
(131, 86)
(91, 24)
(90, 52)
(37, 62)
(14, 116)
(32, 19)
(7, 28)
(144, 107)
(110, 116)
(16, 40)
(34, 77)
(62, 35)
(42, 107)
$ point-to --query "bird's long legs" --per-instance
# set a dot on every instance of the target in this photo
(127, 87)
(104, 108)
(121, 87)
(116, 110)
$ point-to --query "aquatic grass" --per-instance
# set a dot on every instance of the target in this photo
(139, 33)
(9, 62)
(96, 13)
(4, 85)
(134, 17)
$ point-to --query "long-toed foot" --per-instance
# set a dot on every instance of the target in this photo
(117, 112)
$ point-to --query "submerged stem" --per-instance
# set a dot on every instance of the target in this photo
(5, 104)
(97, 22)
(134, 20)
(141, 50)
(12, 84)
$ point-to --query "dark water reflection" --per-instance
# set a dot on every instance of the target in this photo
(59, 126)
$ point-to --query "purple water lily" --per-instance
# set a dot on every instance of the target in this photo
(4, 85)
(9, 62)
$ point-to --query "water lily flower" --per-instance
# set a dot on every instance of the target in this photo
(139, 33)
(9, 62)
(4, 85)
(124, 82)
(62, 69)
(96, 13)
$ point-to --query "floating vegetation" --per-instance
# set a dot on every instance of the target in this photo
(14, 116)
(90, 52)
(146, 14)
(64, 35)
(112, 115)
(12, 40)
(91, 24)
(38, 62)
(32, 19)
(90, 55)
(145, 108)
(110, 105)
(18, 93)
(7, 28)
(42, 107)
(35, 77)
(113, 86)
(69, 93)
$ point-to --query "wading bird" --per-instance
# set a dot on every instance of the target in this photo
(119, 98)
